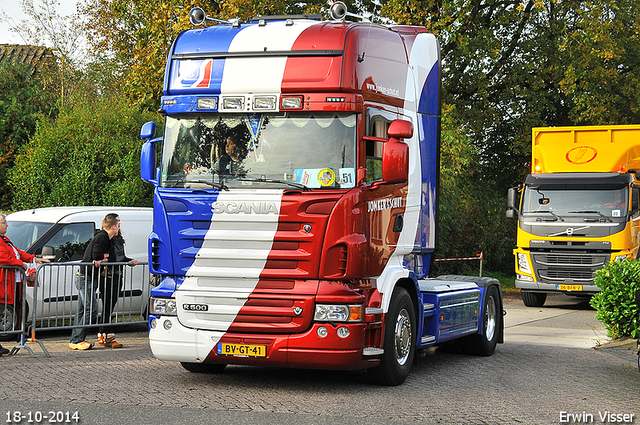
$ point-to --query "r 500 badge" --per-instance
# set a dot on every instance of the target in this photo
(195, 307)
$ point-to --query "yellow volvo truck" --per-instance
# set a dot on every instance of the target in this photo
(577, 210)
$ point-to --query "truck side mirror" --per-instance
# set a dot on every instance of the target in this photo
(395, 153)
(148, 130)
(512, 202)
(148, 153)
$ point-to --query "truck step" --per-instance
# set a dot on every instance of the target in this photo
(428, 338)
(372, 351)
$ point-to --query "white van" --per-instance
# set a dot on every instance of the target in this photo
(61, 234)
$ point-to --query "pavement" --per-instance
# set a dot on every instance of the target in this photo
(564, 321)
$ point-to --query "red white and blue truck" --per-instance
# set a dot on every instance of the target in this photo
(296, 199)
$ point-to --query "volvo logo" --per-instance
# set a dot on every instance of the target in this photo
(297, 310)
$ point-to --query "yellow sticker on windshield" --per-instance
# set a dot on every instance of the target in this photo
(326, 177)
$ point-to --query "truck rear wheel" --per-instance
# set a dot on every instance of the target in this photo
(533, 299)
(485, 344)
(203, 367)
(399, 341)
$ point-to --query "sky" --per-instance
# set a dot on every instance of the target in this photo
(13, 9)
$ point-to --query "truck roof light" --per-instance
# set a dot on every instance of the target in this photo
(207, 103)
(336, 99)
(236, 103)
(265, 102)
(291, 102)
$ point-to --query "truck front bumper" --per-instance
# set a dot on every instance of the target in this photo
(527, 285)
(306, 350)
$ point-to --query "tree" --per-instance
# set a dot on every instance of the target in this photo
(510, 66)
(23, 101)
(89, 155)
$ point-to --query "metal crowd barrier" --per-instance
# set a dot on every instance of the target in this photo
(51, 302)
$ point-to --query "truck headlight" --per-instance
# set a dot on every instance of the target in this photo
(163, 307)
(523, 263)
(338, 313)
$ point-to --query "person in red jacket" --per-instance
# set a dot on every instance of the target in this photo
(11, 255)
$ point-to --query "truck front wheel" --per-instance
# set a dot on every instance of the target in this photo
(399, 341)
(533, 299)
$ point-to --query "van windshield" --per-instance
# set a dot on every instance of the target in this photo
(24, 233)
(314, 150)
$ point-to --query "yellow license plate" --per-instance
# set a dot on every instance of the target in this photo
(242, 350)
(569, 287)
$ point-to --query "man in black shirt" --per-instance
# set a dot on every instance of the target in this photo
(86, 281)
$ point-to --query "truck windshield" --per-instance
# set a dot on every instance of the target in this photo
(563, 200)
(304, 150)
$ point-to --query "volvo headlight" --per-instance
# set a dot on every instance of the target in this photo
(338, 313)
(523, 263)
(163, 307)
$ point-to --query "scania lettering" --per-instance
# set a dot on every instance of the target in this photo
(578, 210)
(296, 200)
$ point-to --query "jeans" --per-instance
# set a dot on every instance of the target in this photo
(87, 312)
(110, 286)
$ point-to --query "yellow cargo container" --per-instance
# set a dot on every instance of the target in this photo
(577, 210)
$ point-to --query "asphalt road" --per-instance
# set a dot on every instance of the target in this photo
(544, 372)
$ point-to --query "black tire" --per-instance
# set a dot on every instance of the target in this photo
(485, 344)
(8, 322)
(399, 341)
(203, 367)
(533, 299)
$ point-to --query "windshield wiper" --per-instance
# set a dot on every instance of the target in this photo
(592, 212)
(556, 216)
(265, 180)
(214, 185)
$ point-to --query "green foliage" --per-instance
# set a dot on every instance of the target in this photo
(471, 208)
(615, 303)
(22, 101)
(89, 155)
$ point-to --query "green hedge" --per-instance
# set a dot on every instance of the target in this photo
(89, 155)
(615, 303)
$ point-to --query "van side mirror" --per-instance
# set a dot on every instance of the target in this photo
(148, 153)
(512, 202)
(48, 253)
(395, 153)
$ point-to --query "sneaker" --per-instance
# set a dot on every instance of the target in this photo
(108, 340)
(82, 345)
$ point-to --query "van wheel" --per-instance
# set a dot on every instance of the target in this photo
(485, 344)
(8, 322)
(399, 341)
(203, 367)
(533, 299)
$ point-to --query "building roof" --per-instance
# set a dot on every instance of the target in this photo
(38, 56)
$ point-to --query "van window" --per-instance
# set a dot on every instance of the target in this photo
(24, 233)
(70, 241)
